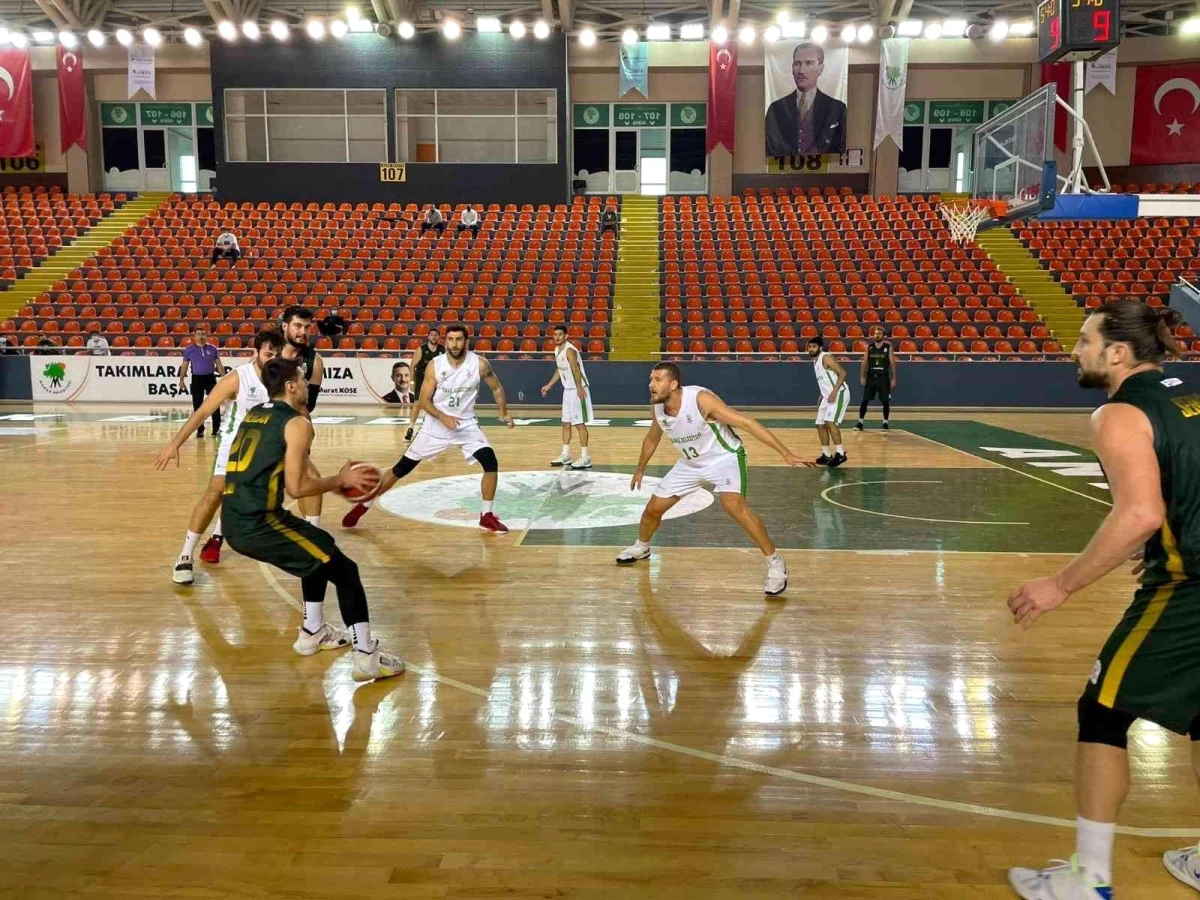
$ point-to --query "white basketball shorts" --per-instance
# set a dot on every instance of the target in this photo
(724, 474)
(436, 438)
(831, 412)
(575, 409)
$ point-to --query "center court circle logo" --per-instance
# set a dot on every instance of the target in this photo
(553, 500)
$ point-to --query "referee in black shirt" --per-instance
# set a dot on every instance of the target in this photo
(877, 374)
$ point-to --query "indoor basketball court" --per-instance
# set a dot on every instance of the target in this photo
(881, 730)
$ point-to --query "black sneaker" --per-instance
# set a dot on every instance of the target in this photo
(838, 459)
(884, 426)
(824, 460)
(858, 427)
(200, 432)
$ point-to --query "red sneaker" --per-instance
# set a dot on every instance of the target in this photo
(489, 522)
(350, 519)
(211, 551)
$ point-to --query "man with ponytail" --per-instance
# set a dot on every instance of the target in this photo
(1147, 435)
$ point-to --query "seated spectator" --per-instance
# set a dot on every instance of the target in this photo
(8, 346)
(433, 219)
(47, 347)
(608, 220)
(402, 392)
(226, 247)
(469, 220)
(97, 345)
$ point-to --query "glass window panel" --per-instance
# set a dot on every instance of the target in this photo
(688, 160)
(154, 143)
(120, 149)
(414, 103)
(243, 103)
(366, 103)
(368, 139)
(537, 139)
(536, 103)
(246, 139)
(416, 139)
(476, 140)
(308, 138)
(912, 150)
(206, 149)
(306, 103)
(939, 147)
(475, 103)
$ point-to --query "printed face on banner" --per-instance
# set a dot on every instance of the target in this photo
(806, 87)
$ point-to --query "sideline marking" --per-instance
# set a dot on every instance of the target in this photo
(787, 774)
(873, 512)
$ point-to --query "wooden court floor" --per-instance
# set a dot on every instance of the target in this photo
(566, 728)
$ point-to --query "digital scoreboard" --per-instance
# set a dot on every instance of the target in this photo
(1073, 30)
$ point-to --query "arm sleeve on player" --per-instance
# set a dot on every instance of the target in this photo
(314, 391)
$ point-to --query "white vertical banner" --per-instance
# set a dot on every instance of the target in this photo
(141, 70)
(1101, 71)
(893, 81)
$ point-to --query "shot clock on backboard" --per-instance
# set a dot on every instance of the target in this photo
(1073, 30)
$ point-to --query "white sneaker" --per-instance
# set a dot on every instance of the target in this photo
(183, 571)
(777, 577)
(563, 459)
(633, 553)
(1185, 865)
(584, 462)
(376, 664)
(1065, 881)
(326, 638)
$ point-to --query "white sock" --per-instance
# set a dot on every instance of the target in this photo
(774, 556)
(585, 454)
(313, 520)
(314, 616)
(566, 450)
(827, 451)
(840, 448)
(640, 544)
(189, 544)
(487, 507)
(217, 526)
(1094, 847)
(362, 636)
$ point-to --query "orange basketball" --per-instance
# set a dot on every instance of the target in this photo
(375, 477)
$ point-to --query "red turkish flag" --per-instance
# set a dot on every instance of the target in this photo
(722, 95)
(16, 104)
(72, 100)
(1166, 127)
(1059, 74)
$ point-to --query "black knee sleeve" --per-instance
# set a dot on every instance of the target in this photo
(487, 459)
(1100, 725)
(403, 466)
(887, 408)
(352, 597)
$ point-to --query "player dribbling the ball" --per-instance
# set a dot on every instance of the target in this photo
(270, 455)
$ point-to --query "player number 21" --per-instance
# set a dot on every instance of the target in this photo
(242, 451)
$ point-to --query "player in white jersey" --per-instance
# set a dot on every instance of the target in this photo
(576, 400)
(243, 387)
(835, 400)
(701, 427)
(448, 397)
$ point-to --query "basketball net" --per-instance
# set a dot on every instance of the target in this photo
(963, 219)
